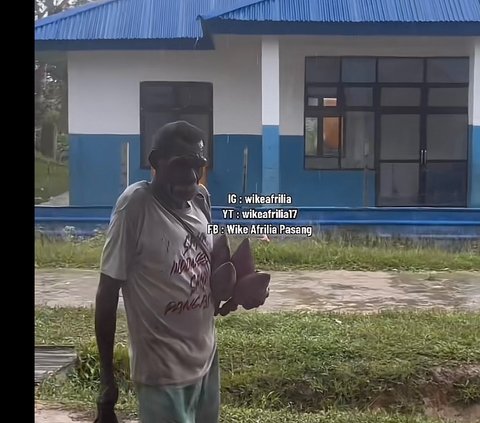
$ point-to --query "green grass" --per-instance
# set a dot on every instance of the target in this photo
(371, 255)
(301, 362)
(51, 179)
(231, 414)
(247, 415)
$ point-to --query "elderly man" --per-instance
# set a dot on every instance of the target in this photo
(158, 251)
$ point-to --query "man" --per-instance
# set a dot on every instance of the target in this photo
(157, 251)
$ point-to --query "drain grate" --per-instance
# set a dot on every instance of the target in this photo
(53, 359)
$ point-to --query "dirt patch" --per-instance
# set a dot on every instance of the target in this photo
(49, 413)
(438, 397)
(457, 375)
(55, 414)
(440, 400)
(465, 414)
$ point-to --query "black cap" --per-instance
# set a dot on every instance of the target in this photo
(179, 141)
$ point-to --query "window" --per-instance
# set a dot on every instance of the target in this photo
(400, 70)
(358, 96)
(448, 97)
(447, 70)
(323, 137)
(358, 69)
(400, 97)
(363, 111)
(339, 123)
(323, 69)
(322, 97)
(164, 102)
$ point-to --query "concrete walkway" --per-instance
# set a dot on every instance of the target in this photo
(340, 291)
(45, 414)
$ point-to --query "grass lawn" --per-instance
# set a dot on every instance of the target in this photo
(302, 367)
(51, 179)
(371, 255)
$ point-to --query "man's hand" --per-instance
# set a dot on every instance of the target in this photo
(256, 302)
(106, 402)
(228, 308)
(252, 290)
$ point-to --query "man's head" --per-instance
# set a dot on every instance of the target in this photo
(178, 157)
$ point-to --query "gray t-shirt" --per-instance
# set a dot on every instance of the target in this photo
(167, 287)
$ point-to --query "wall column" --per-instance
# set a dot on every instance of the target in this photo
(270, 116)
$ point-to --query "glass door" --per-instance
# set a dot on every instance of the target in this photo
(444, 161)
(399, 161)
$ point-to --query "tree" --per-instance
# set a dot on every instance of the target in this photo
(51, 78)
(44, 8)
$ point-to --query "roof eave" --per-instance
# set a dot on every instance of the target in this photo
(125, 44)
(244, 27)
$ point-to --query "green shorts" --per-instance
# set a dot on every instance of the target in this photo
(197, 403)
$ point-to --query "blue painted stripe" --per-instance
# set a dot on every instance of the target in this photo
(271, 160)
(95, 168)
(95, 172)
(306, 215)
(474, 171)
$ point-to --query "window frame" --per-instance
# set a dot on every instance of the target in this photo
(177, 110)
(422, 109)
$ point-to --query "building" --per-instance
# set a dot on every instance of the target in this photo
(339, 103)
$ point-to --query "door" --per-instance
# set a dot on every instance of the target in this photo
(399, 161)
(423, 146)
(164, 102)
(444, 161)
(428, 172)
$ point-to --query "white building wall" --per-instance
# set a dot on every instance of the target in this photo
(104, 86)
(474, 93)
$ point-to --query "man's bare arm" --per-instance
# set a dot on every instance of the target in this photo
(106, 305)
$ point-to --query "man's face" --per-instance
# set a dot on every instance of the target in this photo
(184, 176)
(180, 172)
(181, 175)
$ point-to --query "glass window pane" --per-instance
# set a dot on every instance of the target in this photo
(446, 184)
(399, 184)
(447, 137)
(322, 96)
(321, 163)
(152, 121)
(359, 69)
(322, 69)
(154, 95)
(448, 97)
(311, 136)
(332, 138)
(400, 96)
(359, 140)
(400, 137)
(400, 70)
(196, 94)
(358, 96)
(157, 95)
(448, 70)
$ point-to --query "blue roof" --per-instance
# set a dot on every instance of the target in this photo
(352, 11)
(188, 23)
(129, 20)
